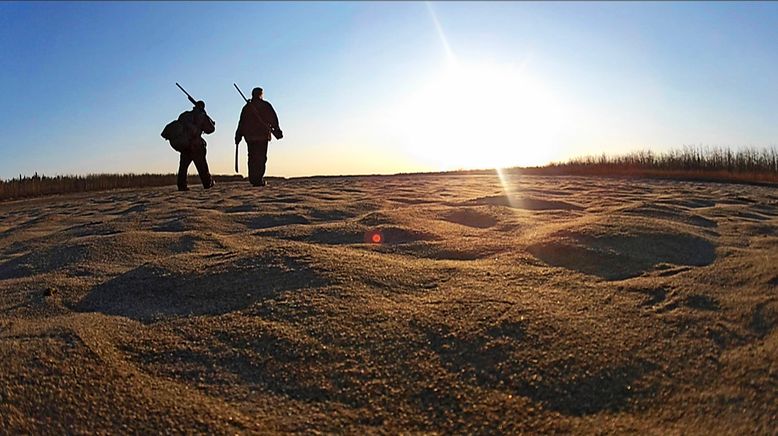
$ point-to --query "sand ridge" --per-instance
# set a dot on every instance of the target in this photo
(550, 304)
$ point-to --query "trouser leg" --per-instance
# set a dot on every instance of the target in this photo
(202, 167)
(257, 161)
(183, 168)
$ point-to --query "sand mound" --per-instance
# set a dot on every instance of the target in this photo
(616, 253)
(93, 228)
(669, 213)
(383, 218)
(268, 220)
(527, 203)
(350, 233)
(153, 291)
(690, 203)
(470, 217)
(78, 255)
(507, 353)
(443, 250)
(96, 387)
(43, 261)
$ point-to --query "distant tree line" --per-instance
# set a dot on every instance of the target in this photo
(35, 186)
(750, 165)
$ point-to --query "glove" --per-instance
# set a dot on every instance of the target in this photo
(278, 133)
(237, 140)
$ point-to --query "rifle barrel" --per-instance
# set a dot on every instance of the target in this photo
(191, 99)
(240, 92)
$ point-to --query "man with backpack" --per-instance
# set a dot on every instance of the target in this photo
(194, 123)
(257, 120)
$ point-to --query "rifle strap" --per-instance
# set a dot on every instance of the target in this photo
(256, 112)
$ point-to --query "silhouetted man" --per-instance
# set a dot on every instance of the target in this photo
(199, 122)
(257, 120)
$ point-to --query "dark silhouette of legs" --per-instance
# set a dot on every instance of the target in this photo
(196, 155)
(257, 161)
(183, 167)
(202, 168)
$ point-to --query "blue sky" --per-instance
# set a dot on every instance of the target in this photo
(371, 88)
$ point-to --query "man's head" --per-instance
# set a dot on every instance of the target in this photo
(200, 105)
(257, 93)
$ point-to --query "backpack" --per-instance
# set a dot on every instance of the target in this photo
(180, 132)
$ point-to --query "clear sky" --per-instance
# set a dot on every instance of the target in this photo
(383, 87)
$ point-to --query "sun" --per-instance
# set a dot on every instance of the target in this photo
(481, 116)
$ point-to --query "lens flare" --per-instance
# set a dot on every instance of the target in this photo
(374, 237)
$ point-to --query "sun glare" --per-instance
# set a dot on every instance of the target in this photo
(481, 116)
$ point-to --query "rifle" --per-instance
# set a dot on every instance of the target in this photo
(194, 102)
(236, 145)
(187, 94)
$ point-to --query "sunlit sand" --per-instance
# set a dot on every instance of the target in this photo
(429, 303)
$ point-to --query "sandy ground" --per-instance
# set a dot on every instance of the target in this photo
(567, 304)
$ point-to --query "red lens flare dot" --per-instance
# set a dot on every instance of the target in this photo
(376, 238)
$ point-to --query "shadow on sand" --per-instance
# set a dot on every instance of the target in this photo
(621, 256)
(151, 292)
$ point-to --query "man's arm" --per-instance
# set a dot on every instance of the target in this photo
(207, 124)
(274, 117)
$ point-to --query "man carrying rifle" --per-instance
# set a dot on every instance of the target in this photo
(257, 120)
(198, 121)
